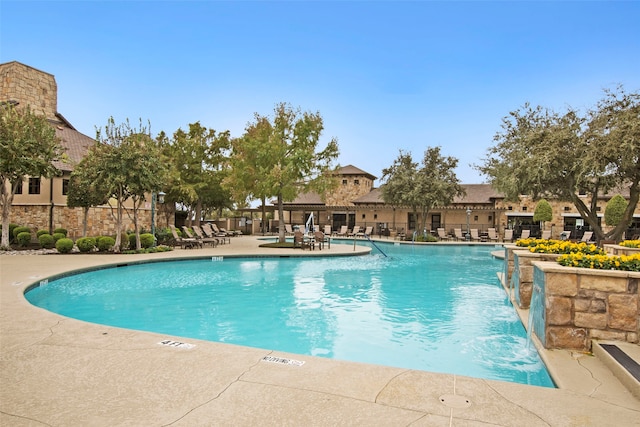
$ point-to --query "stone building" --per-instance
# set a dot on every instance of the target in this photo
(358, 202)
(42, 203)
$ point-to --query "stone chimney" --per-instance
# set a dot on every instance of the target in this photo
(26, 85)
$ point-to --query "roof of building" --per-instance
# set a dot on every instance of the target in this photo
(75, 144)
(352, 170)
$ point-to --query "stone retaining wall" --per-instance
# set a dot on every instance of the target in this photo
(581, 304)
(523, 281)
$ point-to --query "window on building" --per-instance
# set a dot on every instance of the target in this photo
(356, 182)
(490, 218)
(344, 182)
(19, 189)
(567, 208)
(34, 185)
(364, 216)
(65, 187)
(510, 208)
(524, 209)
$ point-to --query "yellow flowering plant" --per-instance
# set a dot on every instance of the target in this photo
(552, 246)
(630, 243)
(601, 262)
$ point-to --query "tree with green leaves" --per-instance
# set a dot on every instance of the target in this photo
(543, 211)
(199, 164)
(281, 158)
(543, 153)
(28, 148)
(128, 162)
(422, 188)
(83, 191)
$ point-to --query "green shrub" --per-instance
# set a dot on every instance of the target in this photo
(146, 240)
(41, 232)
(543, 211)
(11, 228)
(86, 244)
(106, 243)
(64, 245)
(19, 230)
(58, 236)
(614, 211)
(24, 238)
(46, 241)
(131, 238)
(60, 230)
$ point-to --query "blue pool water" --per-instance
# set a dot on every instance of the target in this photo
(434, 308)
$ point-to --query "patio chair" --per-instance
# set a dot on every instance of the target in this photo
(492, 235)
(565, 235)
(474, 235)
(204, 239)
(343, 231)
(322, 238)
(288, 230)
(222, 235)
(327, 230)
(299, 241)
(183, 242)
(525, 234)
(508, 235)
(546, 234)
(442, 234)
(366, 233)
(457, 232)
(354, 232)
(586, 237)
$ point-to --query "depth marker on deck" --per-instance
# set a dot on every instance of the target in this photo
(177, 344)
(282, 361)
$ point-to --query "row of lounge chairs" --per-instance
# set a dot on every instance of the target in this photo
(207, 234)
(343, 232)
(492, 235)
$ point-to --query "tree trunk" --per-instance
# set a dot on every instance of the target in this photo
(6, 198)
(85, 218)
(281, 238)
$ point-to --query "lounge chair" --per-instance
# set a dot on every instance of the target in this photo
(204, 239)
(354, 232)
(474, 235)
(327, 230)
(343, 231)
(458, 233)
(322, 238)
(546, 234)
(299, 241)
(288, 230)
(182, 241)
(565, 235)
(366, 233)
(492, 235)
(442, 234)
(524, 234)
(508, 235)
(223, 236)
(586, 237)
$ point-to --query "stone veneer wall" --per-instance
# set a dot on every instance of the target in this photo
(523, 263)
(29, 86)
(620, 250)
(582, 304)
(99, 221)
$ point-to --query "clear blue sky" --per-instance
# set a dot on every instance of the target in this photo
(384, 75)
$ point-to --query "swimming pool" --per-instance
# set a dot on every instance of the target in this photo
(434, 308)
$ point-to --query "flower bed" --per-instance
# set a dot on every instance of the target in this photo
(601, 262)
(630, 243)
(542, 246)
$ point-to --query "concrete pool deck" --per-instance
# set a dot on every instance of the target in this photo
(58, 371)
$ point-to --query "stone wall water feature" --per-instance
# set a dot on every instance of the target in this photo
(572, 306)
